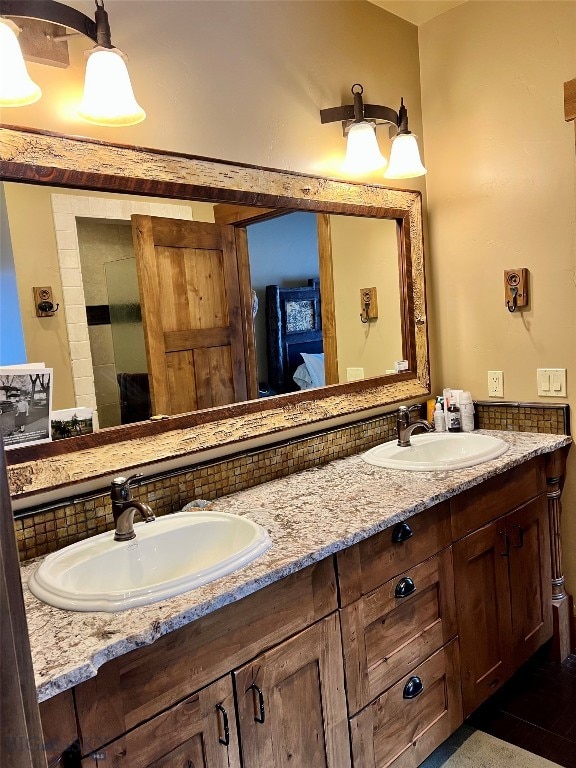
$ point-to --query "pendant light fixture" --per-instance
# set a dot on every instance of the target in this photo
(108, 96)
(405, 160)
(359, 122)
(362, 151)
(17, 90)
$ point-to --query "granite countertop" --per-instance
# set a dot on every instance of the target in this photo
(309, 515)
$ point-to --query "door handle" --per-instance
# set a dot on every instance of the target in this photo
(506, 552)
(520, 537)
(261, 716)
(226, 740)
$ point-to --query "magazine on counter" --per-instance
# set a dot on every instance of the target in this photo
(25, 405)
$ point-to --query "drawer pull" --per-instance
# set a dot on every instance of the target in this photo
(226, 740)
(401, 532)
(413, 688)
(506, 538)
(520, 537)
(404, 588)
(262, 712)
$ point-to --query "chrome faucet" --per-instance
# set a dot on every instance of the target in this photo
(124, 508)
(405, 428)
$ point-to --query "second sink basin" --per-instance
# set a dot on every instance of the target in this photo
(169, 556)
(444, 450)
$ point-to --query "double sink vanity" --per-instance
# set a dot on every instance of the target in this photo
(390, 604)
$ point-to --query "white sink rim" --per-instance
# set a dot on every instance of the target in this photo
(482, 448)
(45, 583)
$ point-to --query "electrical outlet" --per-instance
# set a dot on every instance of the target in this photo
(495, 384)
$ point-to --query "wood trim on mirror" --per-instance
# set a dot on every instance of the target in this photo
(43, 158)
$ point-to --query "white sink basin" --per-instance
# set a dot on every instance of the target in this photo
(169, 556)
(444, 450)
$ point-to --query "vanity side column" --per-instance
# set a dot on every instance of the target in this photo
(562, 603)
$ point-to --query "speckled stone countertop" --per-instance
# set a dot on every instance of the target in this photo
(309, 515)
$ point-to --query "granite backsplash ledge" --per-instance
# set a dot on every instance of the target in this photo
(46, 530)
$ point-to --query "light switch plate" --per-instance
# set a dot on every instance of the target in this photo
(495, 384)
(551, 382)
(354, 374)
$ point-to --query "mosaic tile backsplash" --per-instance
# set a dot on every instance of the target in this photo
(50, 529)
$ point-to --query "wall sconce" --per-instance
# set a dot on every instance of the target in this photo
(108, 97)
(362, 152)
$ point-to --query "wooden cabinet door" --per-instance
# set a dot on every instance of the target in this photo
(200, 732)
(483, 609)
(530, 579)
(291, 703)
(191, 313)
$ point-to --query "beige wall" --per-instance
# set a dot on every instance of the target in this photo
(365, 255)
(242, 81)
(502, 194)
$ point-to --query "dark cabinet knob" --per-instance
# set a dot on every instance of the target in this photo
(405, 587)
(413, 688)
(401, 532)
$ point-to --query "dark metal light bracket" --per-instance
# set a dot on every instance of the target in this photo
(358, 112)
(49, 10)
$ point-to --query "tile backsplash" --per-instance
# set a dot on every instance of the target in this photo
(41, 531)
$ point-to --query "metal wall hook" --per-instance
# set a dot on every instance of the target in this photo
(47, 306)
(514, 292)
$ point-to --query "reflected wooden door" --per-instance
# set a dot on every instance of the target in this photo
(190, 296)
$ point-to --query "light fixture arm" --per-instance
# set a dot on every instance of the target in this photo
(359, 111)
(403, 118)
(103, 36)
(57, 13)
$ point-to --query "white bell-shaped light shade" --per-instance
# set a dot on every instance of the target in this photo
(405, 160)
(108, 96)
(16, 87)
(362, 151)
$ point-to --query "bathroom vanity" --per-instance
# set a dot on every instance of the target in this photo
(390, 605)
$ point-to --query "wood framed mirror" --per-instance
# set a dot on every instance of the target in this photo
(40, 158)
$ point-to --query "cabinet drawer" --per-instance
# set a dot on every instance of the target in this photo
(397, 731)
(385, 636)
(495, 497)
(139, 684)
(372, 562)
(200, 731)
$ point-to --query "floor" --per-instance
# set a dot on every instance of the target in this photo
(535, 710)
(470, 748)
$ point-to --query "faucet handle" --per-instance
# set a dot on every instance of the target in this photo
(121, 486)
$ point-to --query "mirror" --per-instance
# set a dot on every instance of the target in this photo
(222, 189)
(87, 246)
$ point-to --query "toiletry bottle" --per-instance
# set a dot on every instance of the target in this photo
(439, 421)
(466, 412)
(453, 417)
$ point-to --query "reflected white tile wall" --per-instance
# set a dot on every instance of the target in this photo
(65, 210)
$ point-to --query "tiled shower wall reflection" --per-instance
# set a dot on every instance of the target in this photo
(54, 528)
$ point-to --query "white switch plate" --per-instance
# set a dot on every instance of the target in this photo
(495, 384)
(354, 374)
(551, 382)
